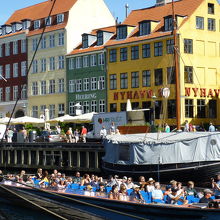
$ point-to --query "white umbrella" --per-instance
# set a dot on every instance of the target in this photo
(27, 120)
(128, 106)
(5, 120)
(84, 118)
(61, 119)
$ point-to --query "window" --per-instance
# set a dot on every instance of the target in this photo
(93, 83)
(121, 32)
(7, 94)
(86, 84)
(71, 108)
(135, 105)
(188, 74)
(35, 111)
(23, 46)
(85, 107)
(101, 60)
(85, 41)
(93, 106)
(188, 46)
(15, 92)
(37, 24)
(71, 86)
(43, 43)
(52, 41)
(15, 47)
(146, 104)
(48, 21)
(52, 86)
(52, 111)
(1, 94)
(158, 49)
(61, 85)
(170, 46)
(60, 18)
(171, 108)
(93, 60)
(34, 88)
(15, 69)
(212, 108)
(61, 109)
(135, 52)
(113, 81)
(102, 106)
(134, 79)
(61, 39)
(61, 62)
(101, 83)
(7, 71)
(43, 65)
(123, 107)
(7, 49)
(158, 109)
(158, 76)
(146, 78)
(211, 24)
(99, 38)
(189, 108)
(78, 62)
(78, 85)
(1, 53)
(199, 22)
(13, 28)
(52, 63)
(144, 28)
(168, 23)
(25, 25)
(43, 87)
(71, 63)
(123, 54)
(211, 8)
(113, 107)
(24, 92)
(34, 44)
(113, 55)
(201, 108)
(171, 78)
(42, 109)
(85, 61)
(35, 66)
(146, 50)
(124, 80)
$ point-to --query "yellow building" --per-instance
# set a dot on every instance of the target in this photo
(140, 61)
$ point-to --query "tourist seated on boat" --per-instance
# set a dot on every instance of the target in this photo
(85, 180)
(135, 195)
(45, 179)
(22, 174)
(117, 181)
(69, 180)
(130, 183)
(168, 190)
(173, 184)
(77, 178)
(180, 188)
(97, 180)
(216, 186)
(63, 176)
(55, 172)
(157, 193)
(39, 174)
(150, 185)
(207, 196)
(88, 191)
(110, 181)
(114, 193)
(101, 191)
(124, 181)
(142, 183)
(123, 195)
(190, 191)
(61, 185)
(30, 181)
(173, 197)
(9, 176)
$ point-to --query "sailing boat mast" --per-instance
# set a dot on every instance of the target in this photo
(176, 67)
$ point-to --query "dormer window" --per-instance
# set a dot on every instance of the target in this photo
(60, 18)
(144, 28)
(168, 23)
(122, 32)
(48, 21)
(211, 8)
(85, 43)
(25, 24)
(13, 28)
(99, 38)
(37, 24)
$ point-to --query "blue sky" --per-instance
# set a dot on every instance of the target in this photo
(117, 7)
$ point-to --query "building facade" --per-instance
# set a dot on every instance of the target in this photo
(86, 72)
(141, 62)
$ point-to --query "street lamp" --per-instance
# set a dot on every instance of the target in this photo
(153, 118)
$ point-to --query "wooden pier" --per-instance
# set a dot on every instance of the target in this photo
(85, 157)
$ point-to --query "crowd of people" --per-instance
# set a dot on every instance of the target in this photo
(123, 189)
(74, 136)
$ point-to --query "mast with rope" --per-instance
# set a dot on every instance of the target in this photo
(176, 67)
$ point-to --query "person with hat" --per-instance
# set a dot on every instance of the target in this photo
(88, 191)
(136, 196)
(207, 196)
(150, 185)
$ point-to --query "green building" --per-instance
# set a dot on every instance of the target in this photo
(86, 72)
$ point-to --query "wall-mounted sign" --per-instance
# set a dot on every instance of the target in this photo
(202, 92)
(86, 96)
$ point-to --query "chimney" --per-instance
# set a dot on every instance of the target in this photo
(162, 2)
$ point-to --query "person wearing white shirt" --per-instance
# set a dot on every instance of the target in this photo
(103, 132)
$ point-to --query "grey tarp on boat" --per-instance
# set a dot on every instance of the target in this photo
(165, 148)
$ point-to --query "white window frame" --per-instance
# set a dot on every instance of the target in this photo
(72, 86)
(61, 39)
(86, 107)
(34, 44)
(34, 88)
(35, 66)
(101, 60)
(1, 70)
(43, 87)
(60, 18)
(94, 83)
(15, 47)
(36, 24)
(101, 83)
(52, 40)
(94, 106)
(51, 63)
(35, 111)
(71, 63)
(15, 92)
(86, 84)
(7, 71)
(101, 105)
(79, 85)
(71, 108)
(61, 62)
(1, 94)
(93, 60)
(85, 61)
(23, 46)
(15, 70)
(43, 43)
(48, 21)
(43, 63)
(7, 94)
(61, 108)
(7, 49)
(78, 62)
(23, 68)
(52, 111)
(60, 85)
(52, 86)
(24, 92)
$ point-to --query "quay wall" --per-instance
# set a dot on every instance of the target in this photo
(85, 157)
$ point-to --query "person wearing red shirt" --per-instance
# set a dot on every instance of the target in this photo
(83, 134)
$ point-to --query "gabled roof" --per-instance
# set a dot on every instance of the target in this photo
(41, 10)
(182, 8)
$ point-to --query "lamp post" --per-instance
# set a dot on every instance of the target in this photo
(153, 118)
